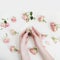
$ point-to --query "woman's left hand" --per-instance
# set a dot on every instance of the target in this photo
(23, 46)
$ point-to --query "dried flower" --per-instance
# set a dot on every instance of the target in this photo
(4, 25)
(6, 40)
(53, 26)
(41, 18)
(33, 50)
(13, 32)
(25, 17)
(13, 19)
(14, 49)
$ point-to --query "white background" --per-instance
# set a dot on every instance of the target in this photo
(48, 8)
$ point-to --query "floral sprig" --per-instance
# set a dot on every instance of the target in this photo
(14, 49)
(28, 16)
(54, 26)
(41, 19)
(33, 50)
(55, 39)
(6, 40)
(5, 24)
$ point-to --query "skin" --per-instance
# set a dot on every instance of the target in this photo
(23, 47)
(37, 40)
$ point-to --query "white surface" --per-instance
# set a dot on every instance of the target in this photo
(48, 8)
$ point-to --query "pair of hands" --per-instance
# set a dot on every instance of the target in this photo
(34, 34)
(37, 38)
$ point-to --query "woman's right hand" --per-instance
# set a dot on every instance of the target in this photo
(38, 42)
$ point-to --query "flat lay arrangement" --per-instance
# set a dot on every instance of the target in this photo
(10, 29)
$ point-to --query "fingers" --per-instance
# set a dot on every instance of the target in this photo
(33, 34)
(36, 32)
(24, 40)
(23, 33)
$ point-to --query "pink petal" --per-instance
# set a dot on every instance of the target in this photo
(25, 16)
(7, 25)
(33, 51)
(13, 19)
(12, 48)
(53, 26)
(6, 40)
(2, 25)
(41, 18)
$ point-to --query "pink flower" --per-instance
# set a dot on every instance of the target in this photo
(25, 16)
(41, 18)
(4, 25)
(53, 26)
(6, 40)
(7, 25)
(12, 48)
(33, 50)
(13, 19)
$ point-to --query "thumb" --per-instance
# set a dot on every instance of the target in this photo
(25, 35)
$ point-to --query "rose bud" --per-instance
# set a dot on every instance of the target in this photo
(53, 26)
(33, 50)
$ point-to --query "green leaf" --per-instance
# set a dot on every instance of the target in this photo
(31, 13)
(5, 21)
(31, 17)
(54, 38)
(35, 48)
(16, 49)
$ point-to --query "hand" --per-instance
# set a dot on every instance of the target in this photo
(23, 47)
(38, 42)
(23, 38)
(36, 37)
